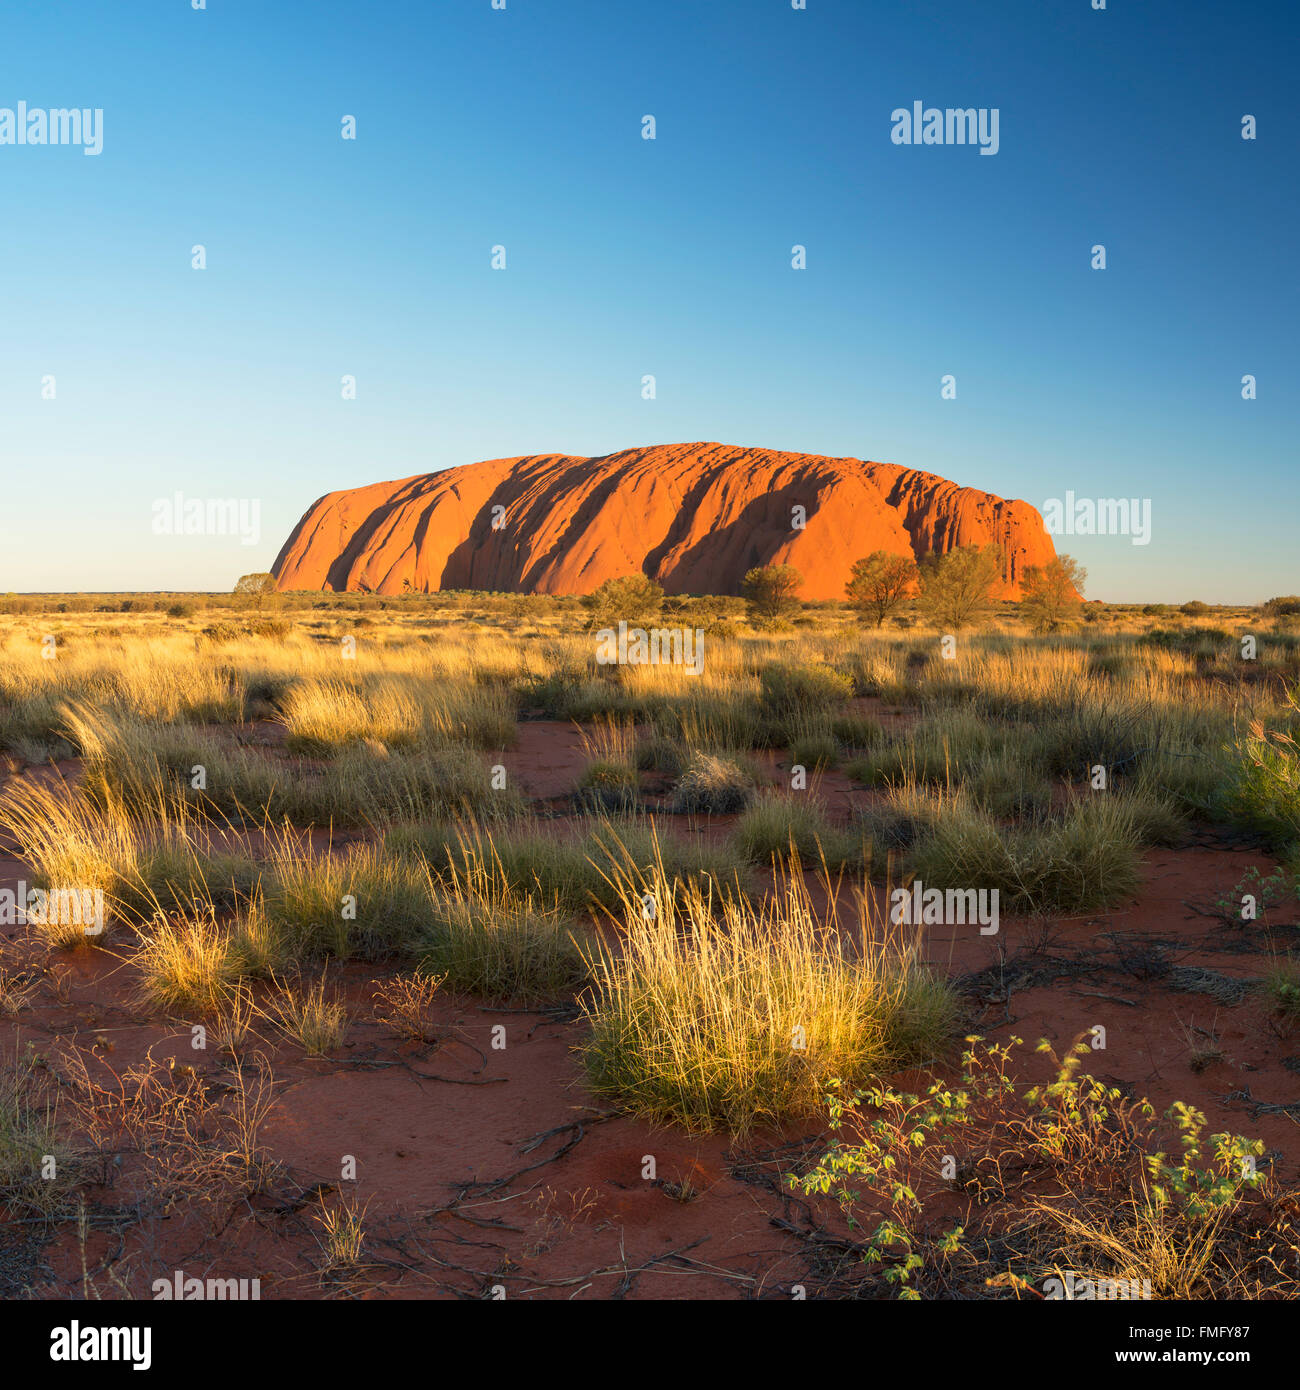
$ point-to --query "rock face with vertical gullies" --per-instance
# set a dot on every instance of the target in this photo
(694, 517)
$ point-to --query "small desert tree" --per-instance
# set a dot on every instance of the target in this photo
(632, 598)
(957, 588)
(771, 591)
(880, 583)
(255, 587)
(1051, 595)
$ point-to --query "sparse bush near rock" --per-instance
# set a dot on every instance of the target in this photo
(632, 599)
(957, 586)
(771, 592)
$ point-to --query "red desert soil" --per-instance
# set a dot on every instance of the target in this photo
(694, 517)
(461, 1194)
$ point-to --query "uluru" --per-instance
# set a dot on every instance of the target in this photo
(694, 517)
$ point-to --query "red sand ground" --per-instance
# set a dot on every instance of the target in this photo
(461, 1194)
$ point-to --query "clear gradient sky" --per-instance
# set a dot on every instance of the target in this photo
(522, 127)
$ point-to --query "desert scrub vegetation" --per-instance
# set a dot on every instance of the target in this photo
(184, 1145)
(323, 716)
(1070, 1180)
(342, 902)
(1264, 793)
(69, 843)
(789, 690)
(565, 870)
(484, 937)
(812, 744)
(465, 923)
(310, 1016)
(943, 746)
(1282, 987)
(258, 945)
(903, 813)
(405, 1003)
(777, 826)
(1008, 786)
(716, 1012)
(39, 1167)
(340, 1234)
(161, 857)
(134, 765)
(1086, 859)
(186, 963)
(726, 720)
(712, 784)
(659, 754)
(16, 990)
(608, 786)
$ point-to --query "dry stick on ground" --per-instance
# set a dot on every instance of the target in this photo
(1260, 1107)
(551, 1013)
(486, 1187)
(585, 1279)
(784, 1159)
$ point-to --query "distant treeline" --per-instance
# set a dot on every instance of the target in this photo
(523, 606)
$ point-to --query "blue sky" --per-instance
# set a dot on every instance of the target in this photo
(627, 257)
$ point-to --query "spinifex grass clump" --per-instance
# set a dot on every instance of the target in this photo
(311, 1017)
(659, 754)
(534, 858)
(362, 788)
(71, 847)
(712, 785)
(1006, 787)
(902, 814)
(1157, 818)
(811, 741)
(484, 937)
(1086, 860)
(608, 786)
(632, 848)
(776, 826)
(323, 716)
(712, 1011)
(538, 860)
(1264, 792)
(942, 747)
(38, 1168)
(789, 691)
(175, 873)
(714, 718)
(137, 765)
(820, 738)
(343, 902)
(609, 781)
(186, 962)
(1282, 985)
